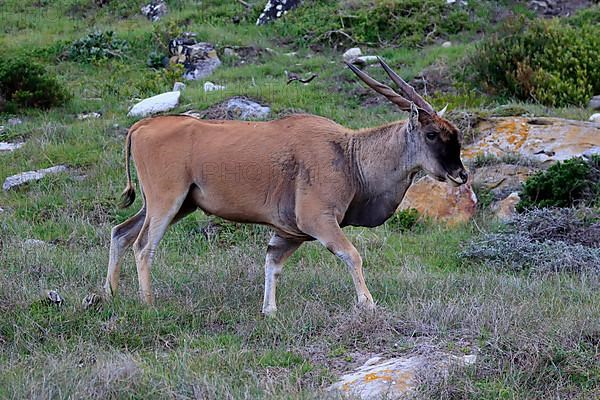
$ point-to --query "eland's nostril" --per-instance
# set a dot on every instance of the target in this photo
(463, 175)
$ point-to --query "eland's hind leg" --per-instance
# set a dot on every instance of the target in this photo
(161, 212)
(121, 237)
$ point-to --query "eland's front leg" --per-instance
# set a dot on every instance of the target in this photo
(278, 250)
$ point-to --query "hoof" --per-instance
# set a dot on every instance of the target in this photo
(269, 311)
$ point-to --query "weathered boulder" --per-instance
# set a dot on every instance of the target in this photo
(506, 209)
(501, 179)
(542, 139)
(237, 107)
(155, 104)
(201, 61)
(155, 10)
(595, 118)
(594, 103)
(24, 177)
(351, 54)
(275, 9)
(441, 201)
(394, 378)
(4, 146)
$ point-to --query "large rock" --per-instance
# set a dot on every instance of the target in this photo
(595, 103)
(441, 201)
(394, 378)
(155, 104)
(595, 118)
(542, 139)
(275, 9)
(506, 209)
(201, 61)
(24, 177)
(501, 179)
(234, 108)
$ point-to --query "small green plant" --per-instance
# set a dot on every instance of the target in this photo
(564, 184)
(155, 60)
(25, 83)
(404, 220)
(97, 46)
(549, 62)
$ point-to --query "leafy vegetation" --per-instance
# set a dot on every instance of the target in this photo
(545, 61)
(97, 46)
(25, 83)
(564, 184)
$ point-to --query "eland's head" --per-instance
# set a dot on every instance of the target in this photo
(436, 139)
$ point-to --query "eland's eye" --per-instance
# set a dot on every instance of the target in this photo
(431, 135)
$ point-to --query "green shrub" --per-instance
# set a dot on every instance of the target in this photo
(404, 220)
(97, 46)
(409, 22)
(564, 184)
(25, 83)
(550, 62)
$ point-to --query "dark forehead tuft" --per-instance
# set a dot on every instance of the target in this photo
(447, 129)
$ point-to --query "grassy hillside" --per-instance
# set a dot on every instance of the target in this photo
(535, 336)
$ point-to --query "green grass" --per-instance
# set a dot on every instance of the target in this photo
(205, 337)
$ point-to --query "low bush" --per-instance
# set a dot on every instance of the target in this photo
(550, 62)
(564, 184)
(410, 22)
(25, 83)
(404, 220)
(542, 241)
(97, 46)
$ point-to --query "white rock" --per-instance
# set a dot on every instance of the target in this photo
(4, 146)
(595, 117)
(178, 87)
(241, 108)
(447, 44)
(84, 116)
(24, 177)
(155, 104)
(351, 54)
(365, 60)
(34, 243)
(211, 87)
(595, 103)
(15, 121)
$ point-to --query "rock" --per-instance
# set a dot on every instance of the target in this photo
(275, 9)
(595, 118)
(541, 139)
(229, 52)
(595, 103)
(501, 179)
(441, 201)
(200, 60)
(178, 86)
(446, 44)
(14, 121)
(155, 104)
(243, 108)
(395, 378)
(365, 60)
(85, 116)
(54, 298)
(4, 146)
(24, 177)
(506, 209)
(211, 87)
(155, 10)
(352, 54)
(34, 243)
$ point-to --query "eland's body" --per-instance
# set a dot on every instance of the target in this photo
(304, 176)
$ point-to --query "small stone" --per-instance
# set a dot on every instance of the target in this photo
(155, 104)
(14, 121)
(24, 177)
(447, 44)
(54, 298)
(211, 87)
(4, 146)
(178, 86)
(469, 359)
(595, 103)
(84, 116)
(229, 52)
(351, 54)
(34, 243)
(506, 209)
(595, 117)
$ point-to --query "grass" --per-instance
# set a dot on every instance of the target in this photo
(536, 337)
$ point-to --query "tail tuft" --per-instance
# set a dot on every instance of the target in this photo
(127, 197)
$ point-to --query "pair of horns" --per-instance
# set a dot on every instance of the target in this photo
(407, 95)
